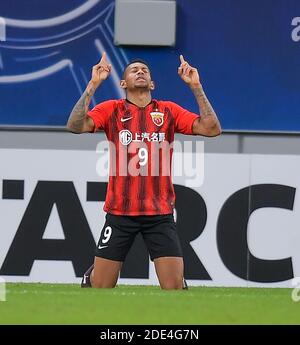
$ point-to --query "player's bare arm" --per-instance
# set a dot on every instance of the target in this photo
(208, 124)
(78, 121)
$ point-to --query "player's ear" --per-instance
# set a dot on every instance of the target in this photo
(123, 84)
(152, 85)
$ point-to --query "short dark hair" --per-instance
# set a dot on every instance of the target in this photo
(134, 61)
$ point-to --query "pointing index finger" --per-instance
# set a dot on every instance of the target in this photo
(181, 58)
(103, 58)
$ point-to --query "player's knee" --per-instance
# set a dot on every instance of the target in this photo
(103, 281)
(98, 284)
(172, 284)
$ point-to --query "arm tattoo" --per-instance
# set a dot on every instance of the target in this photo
(78, 114)
(208, 118)
(204, 105)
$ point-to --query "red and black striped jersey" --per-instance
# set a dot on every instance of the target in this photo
(140, 181)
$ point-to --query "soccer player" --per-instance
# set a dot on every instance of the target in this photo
(140, 195)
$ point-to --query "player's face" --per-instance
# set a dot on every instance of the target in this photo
(137, 75)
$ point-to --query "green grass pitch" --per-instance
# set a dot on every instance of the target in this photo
(65, 304)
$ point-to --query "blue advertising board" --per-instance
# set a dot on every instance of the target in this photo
(247, 53)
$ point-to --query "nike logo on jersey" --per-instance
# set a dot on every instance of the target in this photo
(126, 118)
(102, 247)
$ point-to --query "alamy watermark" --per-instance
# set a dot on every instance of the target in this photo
(296, 291)
(296, 31)
(154, 158)
(2, 29)
(2, 290)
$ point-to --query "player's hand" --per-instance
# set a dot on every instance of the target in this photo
(188, 73)
(100, 71)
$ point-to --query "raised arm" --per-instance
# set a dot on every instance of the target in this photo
(208, 124)
(78, 121)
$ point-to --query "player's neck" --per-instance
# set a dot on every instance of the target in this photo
(139, 98)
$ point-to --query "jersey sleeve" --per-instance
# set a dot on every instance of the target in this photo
(184, 119)
(101, 113)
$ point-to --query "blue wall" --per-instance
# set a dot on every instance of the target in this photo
(244, 50)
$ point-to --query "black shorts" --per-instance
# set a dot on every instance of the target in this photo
(118, 234)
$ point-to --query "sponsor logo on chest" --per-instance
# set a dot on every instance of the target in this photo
(126, 137)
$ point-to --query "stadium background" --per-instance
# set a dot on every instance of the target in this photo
(247, 54)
